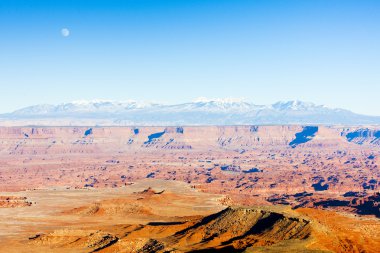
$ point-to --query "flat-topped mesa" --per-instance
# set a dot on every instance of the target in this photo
(363, 136)
(60, 140)
(288, 159)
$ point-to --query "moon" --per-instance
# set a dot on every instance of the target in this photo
(65, 32)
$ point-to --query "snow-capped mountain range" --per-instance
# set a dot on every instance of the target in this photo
(200, 112)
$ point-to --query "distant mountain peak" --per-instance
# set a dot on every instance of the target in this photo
(294, 105)
(202, 111)
(93, 101)
(103, 102)
(220, 100)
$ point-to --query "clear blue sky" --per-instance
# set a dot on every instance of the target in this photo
(323, 51)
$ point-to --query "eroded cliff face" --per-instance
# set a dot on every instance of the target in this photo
(240, 159)
(362, 135)
(305, 168)
(88, 140)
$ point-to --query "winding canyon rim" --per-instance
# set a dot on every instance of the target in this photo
(179, 189)
(197, 126)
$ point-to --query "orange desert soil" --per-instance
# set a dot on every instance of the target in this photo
(151, 189)
(160, 216)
